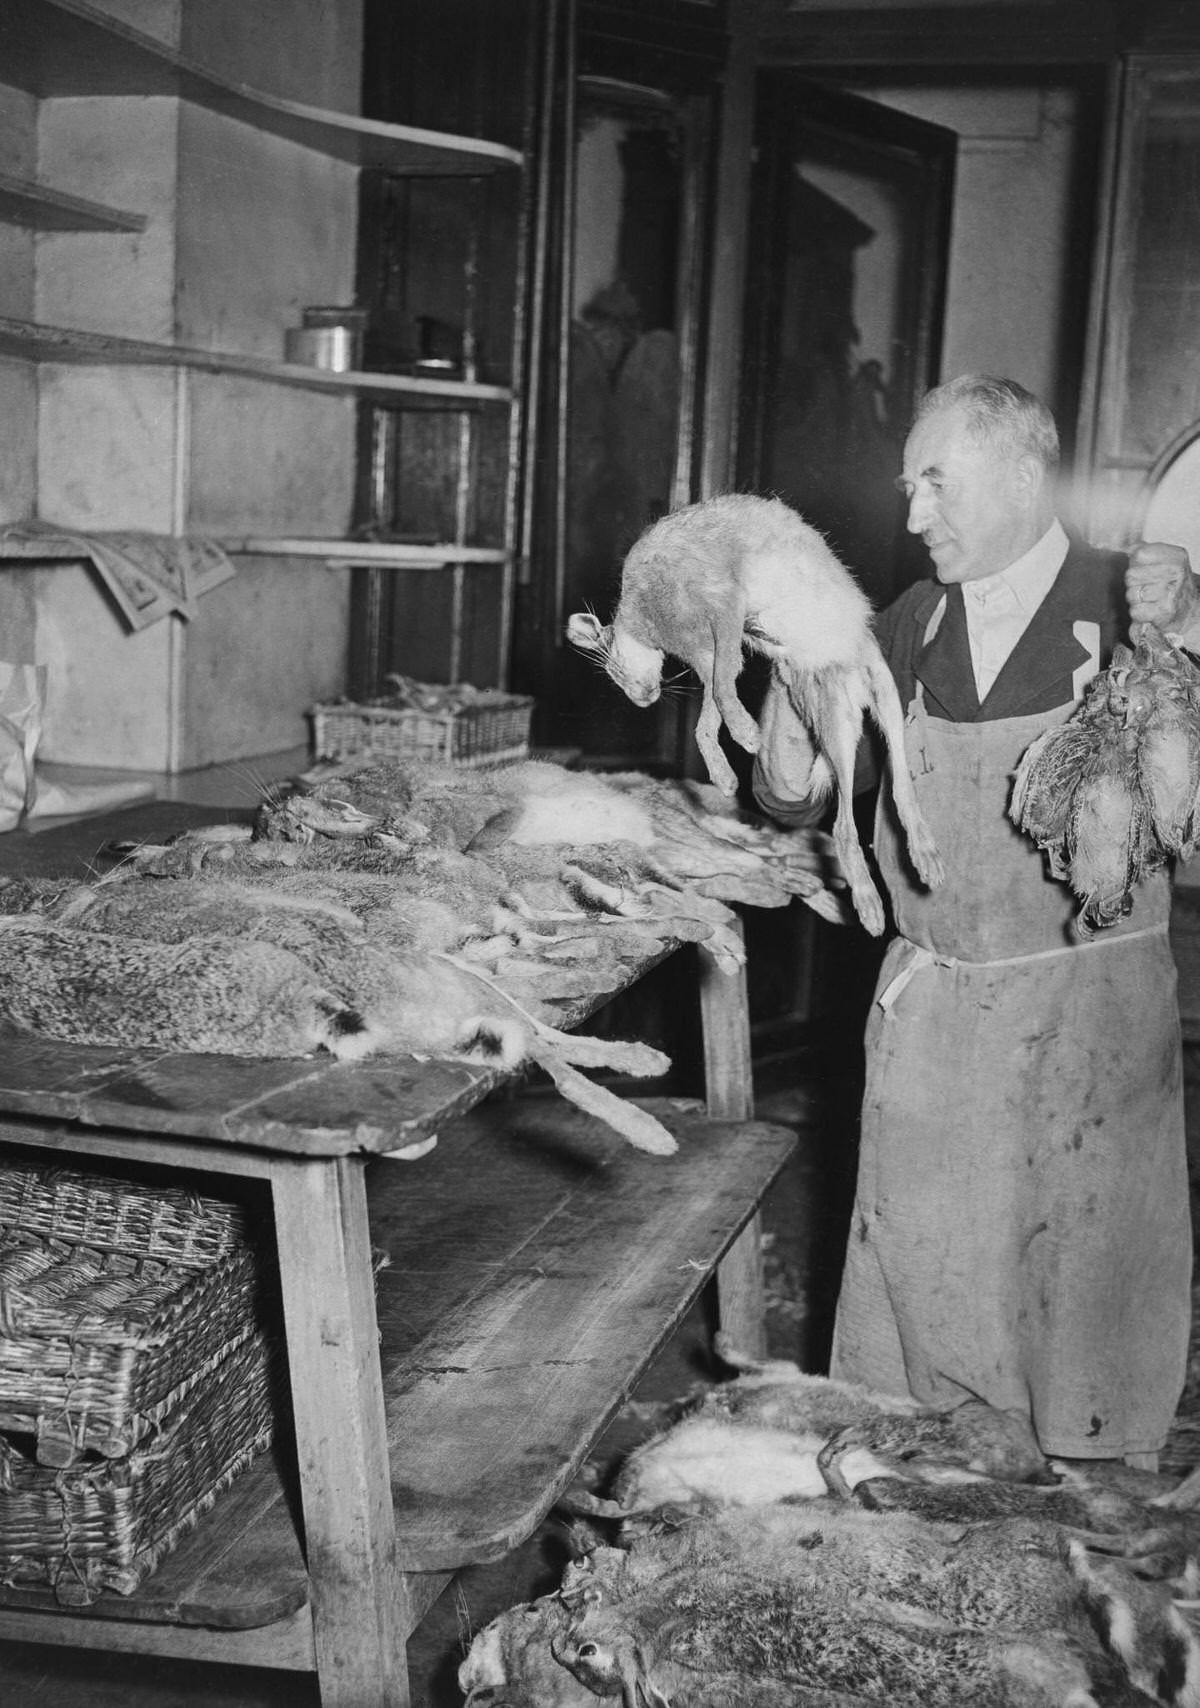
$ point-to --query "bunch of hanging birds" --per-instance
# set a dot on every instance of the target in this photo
(1114, 793)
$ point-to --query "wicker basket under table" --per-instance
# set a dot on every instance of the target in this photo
(120, 1214)
(96, 1348)
(105, 1523)
(116, 1298)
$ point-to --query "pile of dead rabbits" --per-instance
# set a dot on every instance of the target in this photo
(785, 1541)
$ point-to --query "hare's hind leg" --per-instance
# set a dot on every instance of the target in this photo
(884, 702)
(726, 668)
(826, 702)
(708, 733)
(718, 673)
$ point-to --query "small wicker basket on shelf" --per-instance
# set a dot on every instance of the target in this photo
(451, 725)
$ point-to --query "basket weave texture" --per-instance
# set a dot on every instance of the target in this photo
(181, 1227)
(135, 1372)
(495, 732)
(105, 1524)
(96, 1347)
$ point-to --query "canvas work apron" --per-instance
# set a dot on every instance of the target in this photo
(1021, 1231)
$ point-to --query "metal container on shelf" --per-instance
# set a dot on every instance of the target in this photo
(329, 338)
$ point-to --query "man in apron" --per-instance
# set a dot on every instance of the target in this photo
(1021, 1231)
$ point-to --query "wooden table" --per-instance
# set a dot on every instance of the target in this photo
(535, 1265)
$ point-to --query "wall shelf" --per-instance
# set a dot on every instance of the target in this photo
(41, 209)
(66, 47)
(371, 554)
(29, 341)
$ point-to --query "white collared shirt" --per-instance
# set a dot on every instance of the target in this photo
(999, 607)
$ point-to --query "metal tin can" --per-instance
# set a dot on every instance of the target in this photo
(330, 338)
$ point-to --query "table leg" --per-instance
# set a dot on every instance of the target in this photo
(359, 1597)
(729, 1095)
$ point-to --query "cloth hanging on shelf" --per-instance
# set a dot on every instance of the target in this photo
(148, 575)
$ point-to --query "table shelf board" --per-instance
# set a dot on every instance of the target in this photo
(241, 1568)
(575, 1257)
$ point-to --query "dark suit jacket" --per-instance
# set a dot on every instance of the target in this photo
(1090, 587)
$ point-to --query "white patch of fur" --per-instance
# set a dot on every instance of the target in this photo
(1121, 1630)
(1184, 1496)
(814, 615)
(500, 1042)
(1189, 1694)
(483, 1668)
(1134, 1629)
(582, 811)
(1050, 1675)
(349, 1046)
(735, 1464)
(859, 1465)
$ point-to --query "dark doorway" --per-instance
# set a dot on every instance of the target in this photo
(849, 229)
(847, 257)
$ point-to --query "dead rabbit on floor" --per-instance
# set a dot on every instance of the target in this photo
(818, 1605)
(737, 1594)
(736, 572)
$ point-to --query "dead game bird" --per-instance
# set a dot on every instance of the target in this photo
(1113, 794)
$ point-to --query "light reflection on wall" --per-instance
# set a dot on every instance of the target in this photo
(1173, 513)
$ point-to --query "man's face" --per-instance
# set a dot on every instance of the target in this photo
(973, 507)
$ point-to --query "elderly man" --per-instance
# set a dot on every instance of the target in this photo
(1021, 1229)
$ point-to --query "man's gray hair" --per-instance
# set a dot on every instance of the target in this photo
(1001, 412)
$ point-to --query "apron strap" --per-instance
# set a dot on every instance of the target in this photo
(912, 957)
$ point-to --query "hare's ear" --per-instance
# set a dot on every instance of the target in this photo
(587, 632)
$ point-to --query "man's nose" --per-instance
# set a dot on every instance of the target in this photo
(919, 511)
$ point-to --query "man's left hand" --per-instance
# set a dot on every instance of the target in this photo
(1161, 589)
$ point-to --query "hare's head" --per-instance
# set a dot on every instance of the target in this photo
(634, 666)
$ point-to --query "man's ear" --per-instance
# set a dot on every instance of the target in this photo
(1028, 481)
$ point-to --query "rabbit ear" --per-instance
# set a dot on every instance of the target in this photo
(645, 1694)
(587, 632)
